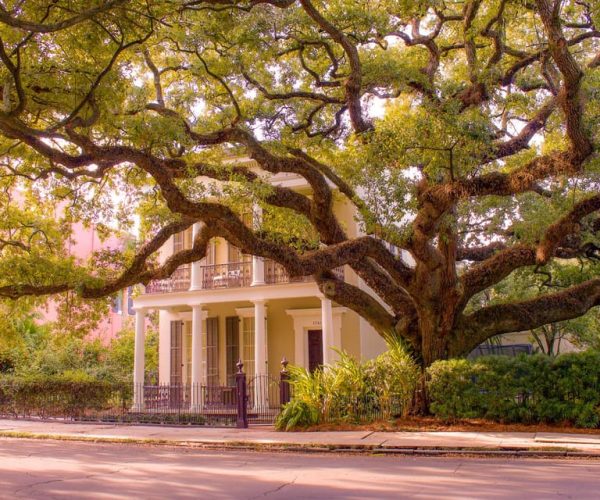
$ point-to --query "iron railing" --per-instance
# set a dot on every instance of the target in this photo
(275, 273)
(264, 401)
(179, 281)
(229, 275)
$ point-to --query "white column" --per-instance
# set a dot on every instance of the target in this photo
(197, 372)
(139, 360)
(196, 275)
(260, 338)
(327, 326)
(258, 263)
(261, 398)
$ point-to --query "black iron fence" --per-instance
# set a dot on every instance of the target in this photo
(257, 399)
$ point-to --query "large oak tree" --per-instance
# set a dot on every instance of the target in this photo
(464, 132)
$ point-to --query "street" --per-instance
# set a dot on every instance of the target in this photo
(55, 469)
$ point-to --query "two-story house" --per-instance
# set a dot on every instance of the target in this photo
(232, 306)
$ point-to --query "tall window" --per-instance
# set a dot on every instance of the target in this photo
(188, 353)
(235, 255)
(212, 351)
(176, 351)
(182, 240)
(130, 310)
(178, 242)
(211, 253)
(117, 303)
(232, 346)
(240, 345)
(247, 343)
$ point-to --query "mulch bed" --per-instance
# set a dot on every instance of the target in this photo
(421, 424)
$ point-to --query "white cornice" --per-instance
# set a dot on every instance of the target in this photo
(245, 294)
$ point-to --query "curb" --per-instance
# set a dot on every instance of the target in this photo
(439, 451)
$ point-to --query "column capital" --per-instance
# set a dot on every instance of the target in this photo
(259, 301)
(140, 310)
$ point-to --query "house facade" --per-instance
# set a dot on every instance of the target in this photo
(231, 307)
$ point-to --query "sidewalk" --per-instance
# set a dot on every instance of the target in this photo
(516, 443)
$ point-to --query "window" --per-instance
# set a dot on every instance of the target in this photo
(247, 343)
(212, 351)
(176, 351)
(232, 347)
(178, 242)
(130, 310)
(117, 303)
(211, 253)
(240, 345)
(235, 255)
(188, 353)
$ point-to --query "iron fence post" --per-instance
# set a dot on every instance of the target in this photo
(284, 383)
(242, 397)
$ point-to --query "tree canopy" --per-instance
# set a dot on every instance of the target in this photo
(463, 132)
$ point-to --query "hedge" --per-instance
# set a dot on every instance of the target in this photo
(70, 395)
(527, 389)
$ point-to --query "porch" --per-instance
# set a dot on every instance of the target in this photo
(201, 344)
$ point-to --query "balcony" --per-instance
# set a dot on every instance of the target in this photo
(178, 282)
(230, 275)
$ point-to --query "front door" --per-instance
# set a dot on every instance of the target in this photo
(315, 349)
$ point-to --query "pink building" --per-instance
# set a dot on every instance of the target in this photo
(84, 242)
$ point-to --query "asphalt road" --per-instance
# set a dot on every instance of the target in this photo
(54, 469)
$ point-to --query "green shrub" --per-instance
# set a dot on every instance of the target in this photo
(70, 394)
(518, 389)
(393, 377)
(350, 391)
(297, 414)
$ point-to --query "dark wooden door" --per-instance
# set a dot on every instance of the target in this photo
(315, 349)
(176, 352)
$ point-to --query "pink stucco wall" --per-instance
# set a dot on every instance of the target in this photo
(85, 241)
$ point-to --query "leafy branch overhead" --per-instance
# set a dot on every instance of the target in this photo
(463, 133)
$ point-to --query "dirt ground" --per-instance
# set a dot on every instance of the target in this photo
(423, 424)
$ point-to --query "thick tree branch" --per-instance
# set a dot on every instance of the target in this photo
(522, 316)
